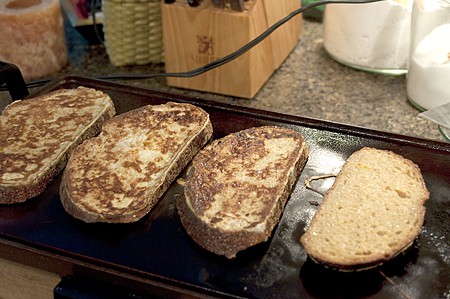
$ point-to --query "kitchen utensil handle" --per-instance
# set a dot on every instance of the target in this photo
(12, 77)
(194, 2)
(218, 3)
(237, 5)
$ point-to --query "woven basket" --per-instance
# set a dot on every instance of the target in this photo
(133, 31)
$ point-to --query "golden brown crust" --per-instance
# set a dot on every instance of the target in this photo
(361, 266)
(215, 194)
(44, 123)
(133, 162)
(213, 239)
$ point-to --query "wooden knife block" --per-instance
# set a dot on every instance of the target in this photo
(195, 36)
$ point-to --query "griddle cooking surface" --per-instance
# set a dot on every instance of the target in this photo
(156, 250)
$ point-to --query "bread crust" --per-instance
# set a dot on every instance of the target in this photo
(375, 258)
(362, 266)
(88, 214)
(228, 242)
(19, 191)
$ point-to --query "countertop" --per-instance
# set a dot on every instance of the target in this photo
(309, 83)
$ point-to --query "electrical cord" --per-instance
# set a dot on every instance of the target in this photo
(220, 61)
(93, 7)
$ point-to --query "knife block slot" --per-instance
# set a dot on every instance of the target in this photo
(195, 36)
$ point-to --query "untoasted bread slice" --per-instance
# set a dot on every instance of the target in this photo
(237, 188)
(374, 210)
(118, 176)
(38, 134)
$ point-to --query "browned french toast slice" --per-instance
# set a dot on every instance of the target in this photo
(38, 134)
(237, 187)
(118, 176)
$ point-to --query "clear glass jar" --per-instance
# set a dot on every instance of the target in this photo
(372, 37)
(428, 78)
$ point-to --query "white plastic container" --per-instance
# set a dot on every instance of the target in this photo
(372, 37)
(428, 80)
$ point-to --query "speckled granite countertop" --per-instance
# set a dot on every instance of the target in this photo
(309, 84)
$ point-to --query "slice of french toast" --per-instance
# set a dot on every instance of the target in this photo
(374, 210)
(119, 176)
(237, 187)
(37, 135)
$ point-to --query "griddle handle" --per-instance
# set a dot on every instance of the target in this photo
(12, 77)
(76, 287)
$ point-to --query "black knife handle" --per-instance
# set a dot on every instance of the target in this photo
(218, 3)
(237, 5)
(12, 77)
(194, 2)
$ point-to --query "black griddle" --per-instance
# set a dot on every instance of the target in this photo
(155, 257)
